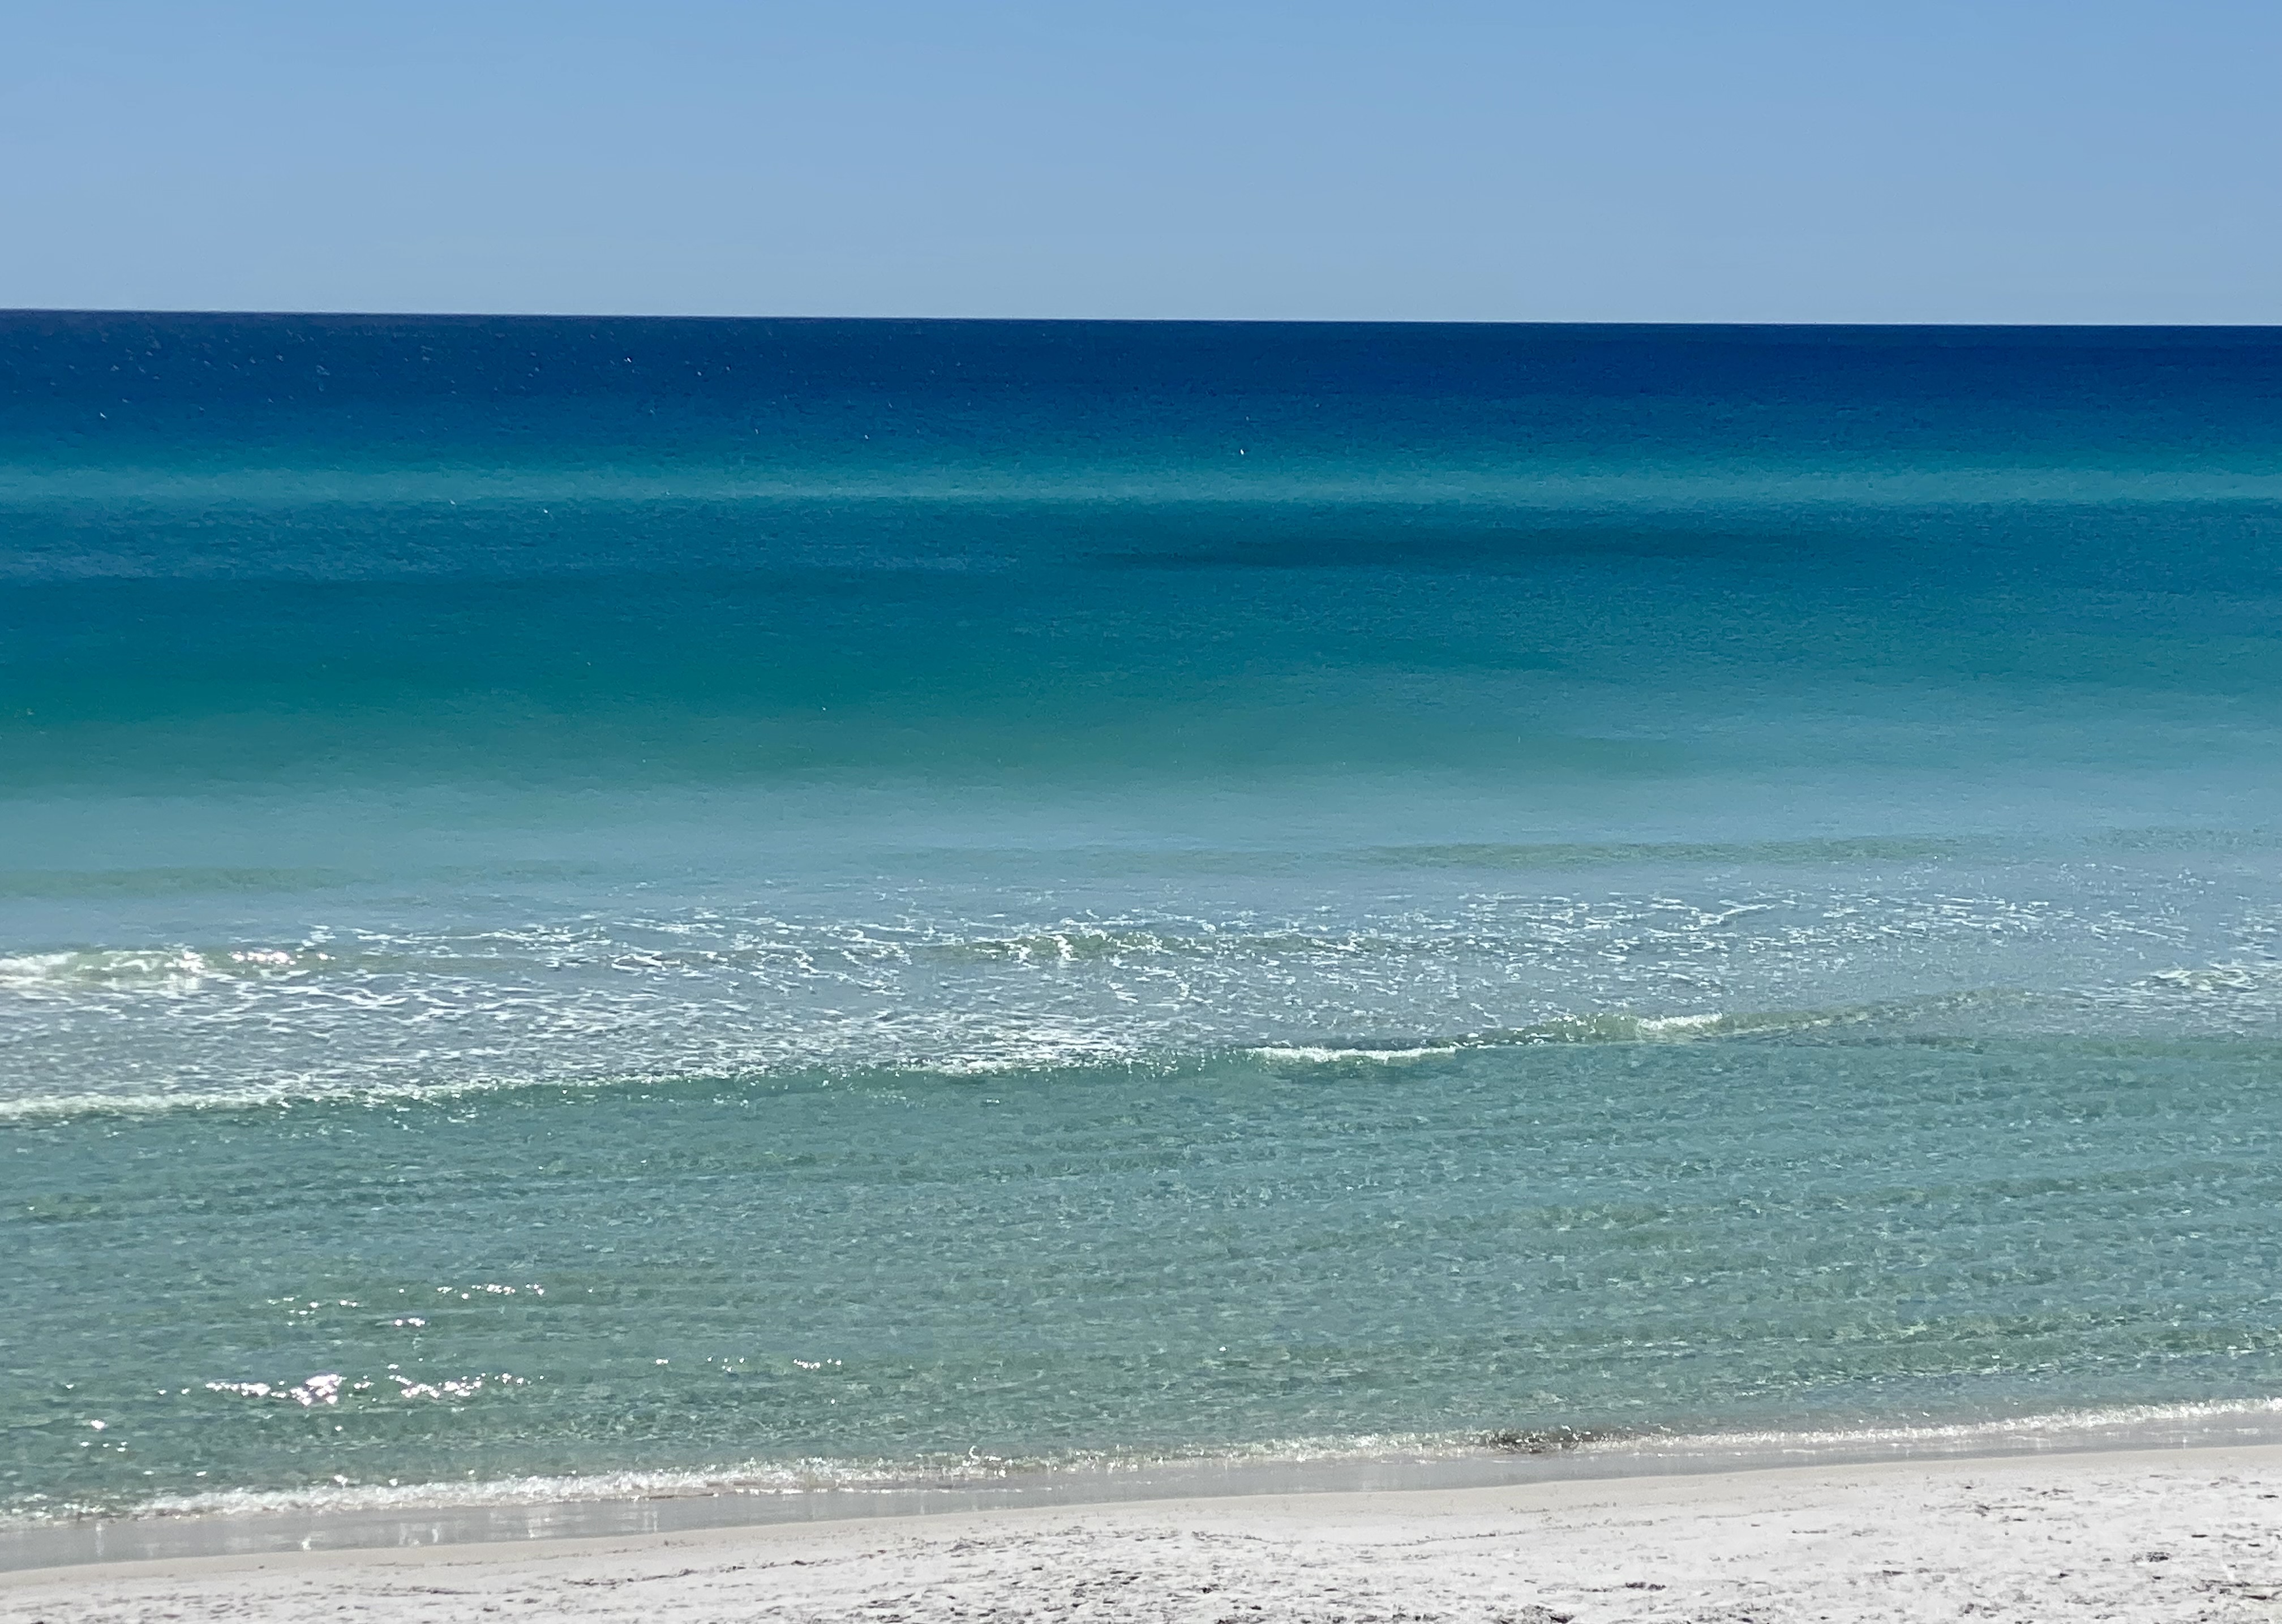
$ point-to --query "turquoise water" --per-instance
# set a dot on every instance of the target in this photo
(765, 902)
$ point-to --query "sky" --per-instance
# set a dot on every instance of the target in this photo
(1915, 161)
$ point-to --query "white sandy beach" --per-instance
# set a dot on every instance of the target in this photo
(2167, 1535)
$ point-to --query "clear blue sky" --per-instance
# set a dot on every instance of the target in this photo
(2008, 160)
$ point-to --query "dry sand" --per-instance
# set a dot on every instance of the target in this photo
(2168, 1534)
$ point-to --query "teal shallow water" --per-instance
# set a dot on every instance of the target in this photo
(1775, 1230)
(779, 901)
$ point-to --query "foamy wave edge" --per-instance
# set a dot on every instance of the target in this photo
(1087, 1054)
(1616, 1452)
(759, 1478)
(1091, 1057)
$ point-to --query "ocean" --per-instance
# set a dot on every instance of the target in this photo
(595, 906)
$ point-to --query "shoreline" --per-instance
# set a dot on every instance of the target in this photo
(2178, 1534)
(512, 1513)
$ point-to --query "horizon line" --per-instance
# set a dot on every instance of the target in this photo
(11, 313)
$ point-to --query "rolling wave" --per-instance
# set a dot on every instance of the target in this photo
(2227, 1000)
(393, 1012)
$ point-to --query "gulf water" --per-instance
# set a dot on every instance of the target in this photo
(748, 902)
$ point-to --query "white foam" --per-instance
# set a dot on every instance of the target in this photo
(1609, 1454)
(1313, 1053)
(401, 1015)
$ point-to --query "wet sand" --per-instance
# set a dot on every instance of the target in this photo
(2152, 1534)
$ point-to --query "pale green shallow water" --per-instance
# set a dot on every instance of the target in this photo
(568, 915)
(1777, 1230)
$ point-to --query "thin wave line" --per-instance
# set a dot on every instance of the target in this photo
(1612, 1451)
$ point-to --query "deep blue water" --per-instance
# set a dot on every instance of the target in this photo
(693, 897)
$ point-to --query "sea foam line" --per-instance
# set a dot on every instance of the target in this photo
(1090, 1055)
(1591, 1453)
